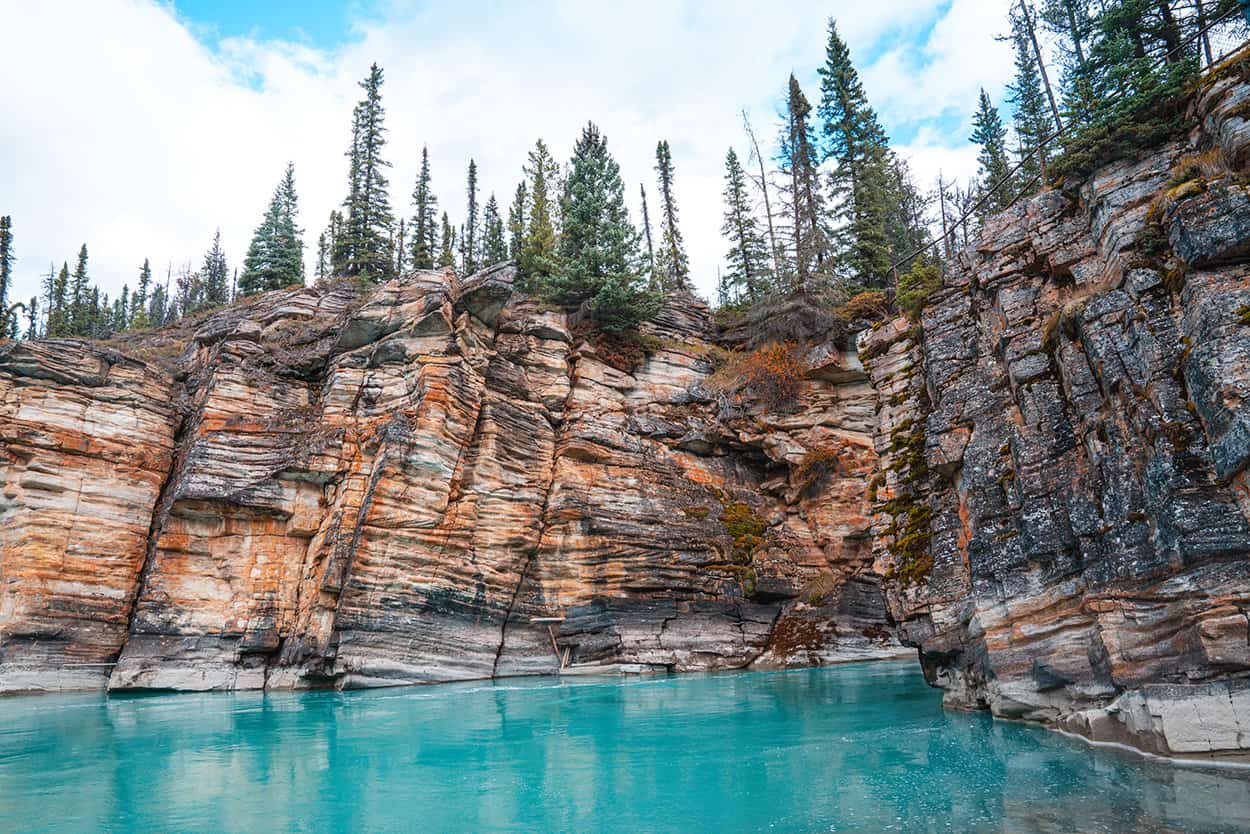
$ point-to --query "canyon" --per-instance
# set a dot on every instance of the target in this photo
(1039, 486)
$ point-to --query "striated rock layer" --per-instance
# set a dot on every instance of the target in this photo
(324, 488)
(1065, 438)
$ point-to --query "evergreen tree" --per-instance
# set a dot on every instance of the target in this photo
(158, 308)
(516, 221)
(672, 263)
(6, 260)
(82, 309)
(808, 243)
(330, 261)
(494, 247)
(447, 253)
(861, 177)
(364, 246)
(215, 275)
(596, 263)
(1031, 117)
(424, 226)
(32, 318)
(652, 277)
(469, 240)
(748, 253)
(60, 305)
(139, 303)
(539, 245)
(399, 246)
(275, 257)
(322, 268)
(988, 132)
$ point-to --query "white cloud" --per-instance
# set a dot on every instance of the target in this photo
(127, 132)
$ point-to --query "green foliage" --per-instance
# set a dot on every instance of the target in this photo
(494, 247)
(994, 174)
(424, 228)
(516, 221)
(915, 287)
(596, 262)
(363, 249)
(747, 276)
(6, 260)
(746, 528)
(538, 247)
(469, 239)
(275, 256)
(671, 263)
(808, 244)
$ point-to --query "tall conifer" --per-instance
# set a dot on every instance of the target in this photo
(469, 238)
(748, 253)
(423, 229)
(494, 245)
(988, 132)
(539, 245)
(672, 263)
(516, 221)
(365, 242)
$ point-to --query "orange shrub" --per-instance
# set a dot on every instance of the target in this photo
(773, 374)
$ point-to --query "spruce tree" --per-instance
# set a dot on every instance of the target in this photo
(424, 226)
(748, 253)
(988, 132)
(275, 257)
(158, 307)
(60, 305)
(1031, 117)
(364, 248)
(333, 251)
(597, 260)
(539, 245)
(321, 270)
(861, 177)
(469, 239)
(516, 221)
(32, 318)
(399, 246)
(6, 260)
(672, 263)
(215, 275)
(82, 309)
(494, 246)
(447, 251)
(808, 244)
(139, 303)
(652, 277)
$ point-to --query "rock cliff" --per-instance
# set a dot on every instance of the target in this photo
(329, 487)
(1064, 438)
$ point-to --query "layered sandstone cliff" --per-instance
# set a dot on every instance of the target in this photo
(1065, 436)
(329, 487)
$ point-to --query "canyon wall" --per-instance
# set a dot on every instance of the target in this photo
(433, 479)
(1064, 437)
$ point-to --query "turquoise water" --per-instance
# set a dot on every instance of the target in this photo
(864, 747)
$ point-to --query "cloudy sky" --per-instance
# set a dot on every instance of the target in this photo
(140, 127)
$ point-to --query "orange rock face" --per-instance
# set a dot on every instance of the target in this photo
(391, 488)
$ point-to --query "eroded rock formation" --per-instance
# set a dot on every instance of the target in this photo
(326, 488)
(1065, 438)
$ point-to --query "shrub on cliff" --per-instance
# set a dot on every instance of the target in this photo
(915, 287)
(773, 374)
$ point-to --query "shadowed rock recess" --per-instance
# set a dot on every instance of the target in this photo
(1041, 485)
(320, 487)
(1070, 424)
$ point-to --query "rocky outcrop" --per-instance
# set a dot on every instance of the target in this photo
(1064, 439)
(436, 479)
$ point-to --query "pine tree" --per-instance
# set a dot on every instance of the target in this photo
(800, 166)
(158, 307)
(516, 221)
(597, 259)
(748, 253)
(672, 263)
(494, 247)
(275, 257)
(139, 303)
(81, 309)
(333, 234)
(988, 132)
(322, 268)
(447, 252)
(861, 176)
(469, 239)
(424, 226)
(652, 277)
(215, 275)
(6, 260)
(1031, 117)
(364, 247)
(539, 245)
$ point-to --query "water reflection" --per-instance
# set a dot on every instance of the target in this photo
(856, 748)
